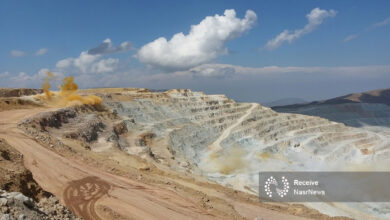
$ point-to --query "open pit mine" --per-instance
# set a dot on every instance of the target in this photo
(126, 153)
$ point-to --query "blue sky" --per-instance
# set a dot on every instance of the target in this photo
(348, 33)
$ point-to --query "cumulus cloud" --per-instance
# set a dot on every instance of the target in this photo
(204, 42)
(213, 71)
(105, 66)
(17, 53)
(87, 63)
(107, 47)
(41, 52)
(315, 18)
(383, 23)
(92, 61)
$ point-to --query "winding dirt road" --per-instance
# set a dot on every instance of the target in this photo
(84, 188)
(90, 192)
(216, 145)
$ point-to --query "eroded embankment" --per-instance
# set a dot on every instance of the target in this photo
(70, 167)
(21, 196)
(126, 198)
(161, 133)
(231, 142)
(14, 177)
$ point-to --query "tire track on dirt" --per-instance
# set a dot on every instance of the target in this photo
(81, 196)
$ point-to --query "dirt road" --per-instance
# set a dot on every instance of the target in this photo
(84, 188)
(89, 191)
(216, 145)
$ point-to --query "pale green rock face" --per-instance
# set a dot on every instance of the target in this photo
(231, 142)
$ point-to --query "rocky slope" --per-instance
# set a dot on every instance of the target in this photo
(20, 195)
(216, 137)
(9, 92)
(14, 176)
(15, 205)
(17, 98)
(112, 184)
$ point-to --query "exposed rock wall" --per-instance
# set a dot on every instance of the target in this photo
(254, 139)
(214, 136)
(16, 206)
(14, 176)
(10, 92)
(20, 195)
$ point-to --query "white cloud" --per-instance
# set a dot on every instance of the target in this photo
(93, 61)
(20, 80)
(25, 80)
(229, 70)
(105, 66)
(350, 37)
(226, 72)
(374, 26)
(315, 18)
(17, 53)
(87, 63)
(382, 23)
(107, 47)
(41, 52)
(204, 42)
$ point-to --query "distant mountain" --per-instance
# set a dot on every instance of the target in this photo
(284, 101)
(158, 90)
(374, 96)
(357, 109)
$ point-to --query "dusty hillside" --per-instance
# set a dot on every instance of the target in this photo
(68, 149)
(229, 142)
(138, 148)
(198, 193)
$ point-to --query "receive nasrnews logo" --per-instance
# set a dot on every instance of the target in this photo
(324, 186)
(280, 191)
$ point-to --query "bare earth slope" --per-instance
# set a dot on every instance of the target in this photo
(230, 142)
(93, 193)
(14, 176)
(89, 185)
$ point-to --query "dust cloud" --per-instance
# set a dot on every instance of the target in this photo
(226, 161)
(67, 96)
